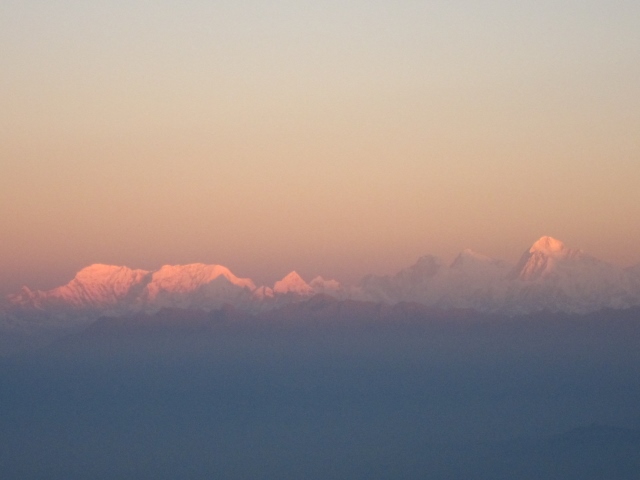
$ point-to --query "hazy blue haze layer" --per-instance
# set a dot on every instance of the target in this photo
(225, 395)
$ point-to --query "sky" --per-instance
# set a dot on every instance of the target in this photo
(333, 138)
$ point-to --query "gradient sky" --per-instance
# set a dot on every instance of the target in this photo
(334, 138)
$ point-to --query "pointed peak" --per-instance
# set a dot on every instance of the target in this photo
(292, 276)
(547, 245)
(292, 283)
(545, 257)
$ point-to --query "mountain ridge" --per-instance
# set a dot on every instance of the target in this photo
(549, 276)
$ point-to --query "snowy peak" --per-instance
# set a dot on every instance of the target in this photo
(196, 286)
(548, 246)
(188, 278)
(545, 257)
(551, 276)
(117, 279)
(293, 283)
(108, 274)
(95, 286)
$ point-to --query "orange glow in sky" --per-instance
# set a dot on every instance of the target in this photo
(333, 139)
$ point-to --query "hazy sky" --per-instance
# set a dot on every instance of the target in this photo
(334, 138)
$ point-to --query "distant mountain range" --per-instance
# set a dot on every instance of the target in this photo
(548, 277)
(471, 369)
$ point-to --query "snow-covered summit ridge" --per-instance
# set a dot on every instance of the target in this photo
(117, 277)
(548, 276)
(546, 257)
(95, 286)
(111, 287)
(548, 246)
(293, 283)
(186, 278)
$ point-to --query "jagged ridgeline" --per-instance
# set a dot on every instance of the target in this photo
(548, 277)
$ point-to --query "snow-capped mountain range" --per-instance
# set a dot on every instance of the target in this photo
(549, 276)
